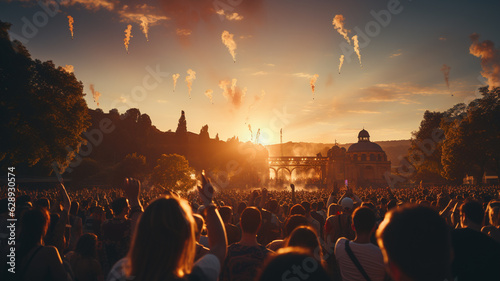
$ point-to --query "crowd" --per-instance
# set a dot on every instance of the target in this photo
(130, 233)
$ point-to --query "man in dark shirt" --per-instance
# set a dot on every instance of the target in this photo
(477, 256)
(233, 233)
(245, 257)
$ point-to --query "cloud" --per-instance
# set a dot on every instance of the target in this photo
(303, 75)
(186, 14)
(245, 36)
(69, 68)
(364, 112)
(396, 54)
(490, 59)
(162, 101)
(442, 38)
(258, 73)
(141, 14)
(229, 16)
(402, 93)
(92, 4)
(270, 64)
(183, 32)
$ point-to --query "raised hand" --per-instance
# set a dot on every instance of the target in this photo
(206, 191)
(132, 188)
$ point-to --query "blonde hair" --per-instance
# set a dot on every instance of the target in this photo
(164, 241)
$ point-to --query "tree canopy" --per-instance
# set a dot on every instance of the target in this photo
(42, 108)
(173, 172)
(470, 145)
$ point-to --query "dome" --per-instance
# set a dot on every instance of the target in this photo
(365, 146)
(363, 134)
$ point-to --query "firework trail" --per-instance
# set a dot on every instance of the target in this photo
(70, 23)
(175, 77)
(209, 95)
(95, 94)
(313, 82)
(227, 39)
(356, 48)
(341, 62)
(189, 80)
(338, 23)
(128, 35)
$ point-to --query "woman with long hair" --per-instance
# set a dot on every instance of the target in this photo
(163, 246)
(37, 262)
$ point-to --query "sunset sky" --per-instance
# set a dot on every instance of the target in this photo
(281, 45)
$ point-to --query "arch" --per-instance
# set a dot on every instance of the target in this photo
(274, 170)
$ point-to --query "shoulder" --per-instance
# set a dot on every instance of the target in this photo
(340, 244)
(117, 272)
(49, 250)
(207, 267)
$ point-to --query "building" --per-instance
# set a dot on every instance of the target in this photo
(364, 164)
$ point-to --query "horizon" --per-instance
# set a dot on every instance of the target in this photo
(416, 49)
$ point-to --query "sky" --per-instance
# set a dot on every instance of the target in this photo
(280, 47)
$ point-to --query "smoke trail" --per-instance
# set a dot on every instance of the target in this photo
(356, 48)
(227, 39)
(338, 23)
(175, 77)
(70, 23)
(189, 79)
(341, 62)
(446, 71)
(251, 133)
(313, 82)
(209, 95)
(490, 59)
(128, 35)
(256, 99)
(145, 26)
(233, 94)
(95, 94)
(257, 136)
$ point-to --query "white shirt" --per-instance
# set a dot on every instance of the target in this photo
(369, 256)
(209, 265)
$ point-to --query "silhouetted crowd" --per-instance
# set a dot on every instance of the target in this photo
(424, 233)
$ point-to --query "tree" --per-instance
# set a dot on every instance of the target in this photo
(42, 109)
(173, 172)
(473, 137)
(425, 149)
(182, 126)
(133, 165)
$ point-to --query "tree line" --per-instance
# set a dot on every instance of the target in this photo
(461, 141)
(47, 126)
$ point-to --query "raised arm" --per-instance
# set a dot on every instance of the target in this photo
(132, 188)
(65, 198)
(215, 227)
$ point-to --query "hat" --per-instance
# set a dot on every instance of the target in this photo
(347, 203)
